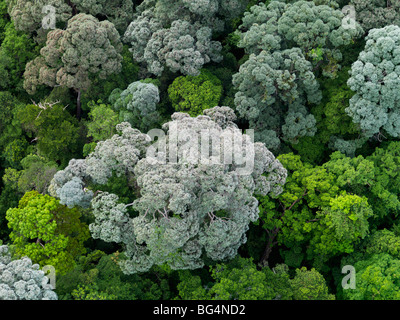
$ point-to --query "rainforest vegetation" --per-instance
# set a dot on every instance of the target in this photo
(103, 102)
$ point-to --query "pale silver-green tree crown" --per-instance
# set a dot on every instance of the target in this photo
(137, 104)
(86, 47)
(272, 89)
(22, 280)
(372, 14)
(375, 80)
(28, 15)
(177, 34)
(185, 210)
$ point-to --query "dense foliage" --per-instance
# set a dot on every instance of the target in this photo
(199, 149)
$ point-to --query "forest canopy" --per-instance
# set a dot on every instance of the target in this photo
(199, 149)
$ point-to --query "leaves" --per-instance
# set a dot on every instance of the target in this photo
(75, 46)
(194, 94)
(373, 78)
(102, 121)
(57, 133)
(56, 231)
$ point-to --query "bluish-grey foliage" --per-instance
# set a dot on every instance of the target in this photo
(183, 47)
(372, 14)
(22, 280)
(375, 80)
(188, 208)
(272, 86)
(73, 194)
(223, 116)
(137, 104)
(28, 15)
(298, 123)
(189, 205)
(347, 147)
(304, 24)
(112, 219)
(177, 34)
(119, 12)
(118, 155)
(75, 168)
(287, 42)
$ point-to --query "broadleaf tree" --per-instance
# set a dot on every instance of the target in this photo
(185, 209)
(87, 47)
